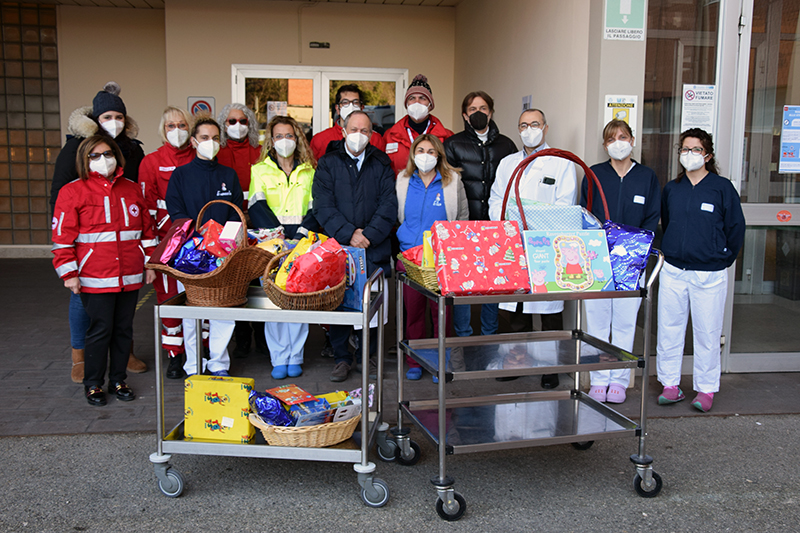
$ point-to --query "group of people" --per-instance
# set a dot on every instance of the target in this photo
(367, 190)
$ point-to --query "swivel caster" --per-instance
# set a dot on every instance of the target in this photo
(647, 491)
(452, 510)
(173, 486)
(378, 495)
(411, 457)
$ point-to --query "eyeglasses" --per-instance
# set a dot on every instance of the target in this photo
(696, 150)
(95, 156)
(233, 121)
(345, 103)
(280, 136)
(525, 125)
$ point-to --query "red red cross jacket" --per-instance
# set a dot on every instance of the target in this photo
(399, 137)
(154, 174)
(102, 233)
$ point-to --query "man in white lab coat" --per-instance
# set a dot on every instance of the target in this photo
(550, 180)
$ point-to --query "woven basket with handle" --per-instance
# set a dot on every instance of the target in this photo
(325, 300)
(225, 286)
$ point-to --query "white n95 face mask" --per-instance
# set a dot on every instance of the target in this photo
(356, 142)
(285, 147)
(425, 162)
(531, 137)
(105, 166)
(113, 127)
(237, 131)
(345, 111)
(208, 149)
(417, 111)
(692, 161)
(619, 150)
(177, 138)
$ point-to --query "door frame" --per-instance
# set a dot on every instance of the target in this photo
(321, 77)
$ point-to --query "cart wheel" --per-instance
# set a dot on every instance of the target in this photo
(176, 488)
(461, 507)
(412, 458)
(583, 445)
(389, 455)
(382, 489)
(641, 490)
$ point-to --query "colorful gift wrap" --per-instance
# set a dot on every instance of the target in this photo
(356, 279)
(217, 409)
(562, 261)
(230, 236)
(291, 394)
(629, 248)
(211, 232)
(318, 269)
(480, 257)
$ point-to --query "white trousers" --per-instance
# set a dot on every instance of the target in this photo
(703, 294)
(220, 333)
(612, 321)
(286, 342)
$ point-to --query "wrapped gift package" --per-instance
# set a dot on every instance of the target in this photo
(305, 244)
(191, 259)
(230, 236)
(476, 257)
(568, 261)
(318, 269)
(356, 279)
(541, 216)
(178, 233)
(629, 248)
(211, 232)
(291, 394)
(217, 409)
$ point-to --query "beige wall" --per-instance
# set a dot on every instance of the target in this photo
(515, 48)
(96, 45)
(553, 51)
(420, 39)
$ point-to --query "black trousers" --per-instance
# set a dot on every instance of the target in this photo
(340, 335)
(521, 322)
(109, 336)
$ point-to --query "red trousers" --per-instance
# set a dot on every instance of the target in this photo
(415, 311)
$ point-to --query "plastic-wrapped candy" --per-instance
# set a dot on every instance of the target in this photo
(191, 260)
(175, 238)
(629, 248)
(269, 408)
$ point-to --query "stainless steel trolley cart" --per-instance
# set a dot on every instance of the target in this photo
(518, 420)
(374, 491)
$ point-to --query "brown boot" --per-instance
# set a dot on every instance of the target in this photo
(77, 366)
(136, 365)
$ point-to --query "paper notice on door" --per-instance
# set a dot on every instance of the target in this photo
(790, 140)
(698, 107)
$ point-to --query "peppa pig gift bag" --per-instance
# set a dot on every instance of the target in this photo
(475, 257)
(561, 261)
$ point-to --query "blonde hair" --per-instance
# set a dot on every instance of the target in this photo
(302, 151)
(442, 166)
(173, 110)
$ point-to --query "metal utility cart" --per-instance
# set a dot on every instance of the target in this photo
(516, 420)
(374, 491)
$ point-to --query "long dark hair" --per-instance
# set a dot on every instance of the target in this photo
(708, 145)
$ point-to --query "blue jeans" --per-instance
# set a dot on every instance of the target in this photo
(462, 315)
(489, 320)
(78, 322)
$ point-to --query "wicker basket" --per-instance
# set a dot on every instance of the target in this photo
(324, 300)
(425, 276)
(225, 286)
(317, 436)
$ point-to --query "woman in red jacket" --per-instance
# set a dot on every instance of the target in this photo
(419, 104)
(102, 233)
(154, 174)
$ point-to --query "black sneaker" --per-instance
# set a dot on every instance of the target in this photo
(175, 367)
(262, 348)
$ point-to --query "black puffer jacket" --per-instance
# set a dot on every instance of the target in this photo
(478, 162)
(81, 126)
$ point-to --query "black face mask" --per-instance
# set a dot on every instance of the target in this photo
(479, 120)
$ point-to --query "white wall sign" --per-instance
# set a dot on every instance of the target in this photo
(698, 107)
(526, 102)
(275, 108)
(625, 20)
(621, 107)
(201, 104)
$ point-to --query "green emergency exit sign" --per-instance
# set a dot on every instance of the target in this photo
(625, 20)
